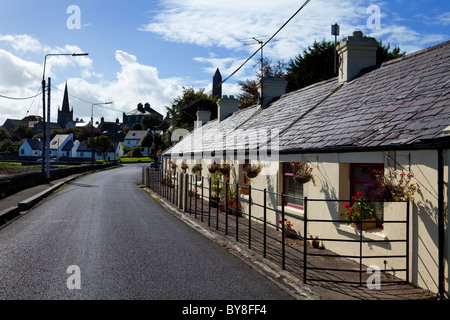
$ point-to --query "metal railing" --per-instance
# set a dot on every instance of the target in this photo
(207, 199)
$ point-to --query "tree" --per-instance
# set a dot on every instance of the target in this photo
(151, 121)
(103, 144)
(249, 87)
(183, 111)
(316, 64)
(3, 134)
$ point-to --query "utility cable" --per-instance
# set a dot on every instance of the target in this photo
(251, 57)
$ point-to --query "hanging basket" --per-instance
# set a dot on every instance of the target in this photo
(303, 179)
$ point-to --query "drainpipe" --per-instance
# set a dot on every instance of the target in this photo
(441, 230)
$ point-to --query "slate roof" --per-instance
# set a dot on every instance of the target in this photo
(403, 102)
(35, 144)
(136, 135)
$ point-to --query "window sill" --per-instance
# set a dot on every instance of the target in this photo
(372, 234)
(292, 210)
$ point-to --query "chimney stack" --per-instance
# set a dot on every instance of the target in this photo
(227, 105)
(203, 116)
(272, 87)
(356, 53)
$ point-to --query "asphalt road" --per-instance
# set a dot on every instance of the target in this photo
(101, 237)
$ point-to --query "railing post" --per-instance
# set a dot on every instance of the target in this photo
(195, 197)
(209, 202)
(249, 216)
(265, 224)
(305, 236)
(407, 240)
(237, 211)
(180, 191)
(283, 253)
(202, 197)
(226, 208)
(185, 192)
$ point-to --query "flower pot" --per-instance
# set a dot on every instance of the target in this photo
(316, 243)
(290, 233)
(214, 202)
(245, 191)
(366, 225)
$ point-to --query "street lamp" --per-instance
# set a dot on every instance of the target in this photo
(46, 122)
(92, 129)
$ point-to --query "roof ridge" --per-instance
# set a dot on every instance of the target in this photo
(416, 53)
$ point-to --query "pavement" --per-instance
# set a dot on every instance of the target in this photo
(320, 284)
(13, 206)
(249, 249)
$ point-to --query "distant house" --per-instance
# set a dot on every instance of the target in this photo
(11, 124)
(134, 139)
(31, 148)
(63, 145)
(111, 129)
(114, 153)
(136, 115)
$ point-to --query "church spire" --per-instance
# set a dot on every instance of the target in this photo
(65, 104)
(217, 85)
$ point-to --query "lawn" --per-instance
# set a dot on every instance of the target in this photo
(130, 159)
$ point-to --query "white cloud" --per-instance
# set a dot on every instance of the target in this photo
(22, 43)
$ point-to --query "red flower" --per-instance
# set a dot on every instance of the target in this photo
(347, 205)
(359, 193)
(354, 198)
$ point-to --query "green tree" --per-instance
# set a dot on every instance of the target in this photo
(249, 88)
(183, 111)
(3, 134)
(22, 132)
(151, 121)
(316, 64)
(103, 144)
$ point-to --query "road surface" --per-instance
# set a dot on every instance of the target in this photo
(101, 237)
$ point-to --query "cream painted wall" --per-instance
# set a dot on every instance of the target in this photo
(332, 172)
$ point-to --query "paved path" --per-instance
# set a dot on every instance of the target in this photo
(103, 233)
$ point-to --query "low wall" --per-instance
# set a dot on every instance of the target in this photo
(17, 182)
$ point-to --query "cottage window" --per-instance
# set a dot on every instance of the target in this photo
(293, 190)
(360, 175)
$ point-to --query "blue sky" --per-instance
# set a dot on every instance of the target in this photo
(146, 51)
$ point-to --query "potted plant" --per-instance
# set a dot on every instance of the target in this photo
(315, 241)
(184, 166)
(173, 165)
(244, 187)
(302, 172)
(289, 231)
(359, 214)
(234, 207)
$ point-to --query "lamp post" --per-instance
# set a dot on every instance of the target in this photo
(92, 129)
(46, 120)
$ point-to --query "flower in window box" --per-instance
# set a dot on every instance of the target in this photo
(359, 213)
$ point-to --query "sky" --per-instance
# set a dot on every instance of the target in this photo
(147, 51)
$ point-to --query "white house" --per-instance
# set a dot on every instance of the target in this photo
(114, 153)
(31, 148)
(134, 139)
(63, 145)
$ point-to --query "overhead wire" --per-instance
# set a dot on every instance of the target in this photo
(251, 57)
